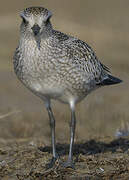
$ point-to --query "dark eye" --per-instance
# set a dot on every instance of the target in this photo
(24, 20)
(48, 20)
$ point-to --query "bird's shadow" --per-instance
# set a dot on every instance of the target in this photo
(90, 147)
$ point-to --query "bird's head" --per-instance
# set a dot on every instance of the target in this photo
(35, 20)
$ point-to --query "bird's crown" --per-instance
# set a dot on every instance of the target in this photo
(36, 11)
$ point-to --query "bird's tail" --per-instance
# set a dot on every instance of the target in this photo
(109, 80)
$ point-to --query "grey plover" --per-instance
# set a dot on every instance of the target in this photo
(54, 65)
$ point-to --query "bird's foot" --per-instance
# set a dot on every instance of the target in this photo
(68, 164)
(52, 162)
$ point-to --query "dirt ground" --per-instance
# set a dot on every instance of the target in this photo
(94, 159)
(102, 135)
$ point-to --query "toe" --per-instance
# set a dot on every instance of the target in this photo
(51, 163)
(68, 164)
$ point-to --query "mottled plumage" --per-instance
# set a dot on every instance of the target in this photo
(54, 65)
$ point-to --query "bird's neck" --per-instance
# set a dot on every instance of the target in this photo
(28, 39)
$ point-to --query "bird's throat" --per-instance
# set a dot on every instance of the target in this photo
(38, 41)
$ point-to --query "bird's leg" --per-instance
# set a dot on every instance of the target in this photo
(52, 126)
(69, 162)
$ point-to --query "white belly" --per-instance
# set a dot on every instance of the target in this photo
(47, 90)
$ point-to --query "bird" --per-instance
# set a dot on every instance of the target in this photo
(57, 66)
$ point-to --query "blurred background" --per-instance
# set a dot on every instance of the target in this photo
(104, 25)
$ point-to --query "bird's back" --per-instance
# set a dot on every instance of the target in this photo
(79, 56)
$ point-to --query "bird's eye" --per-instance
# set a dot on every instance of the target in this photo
(24, 20)
(48, 20)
